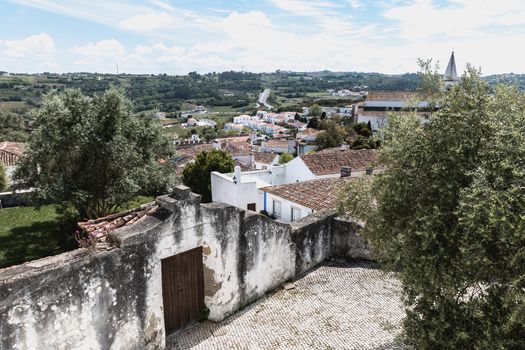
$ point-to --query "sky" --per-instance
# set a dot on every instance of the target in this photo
(177, 37)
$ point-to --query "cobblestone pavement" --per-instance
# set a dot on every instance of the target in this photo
(336, 306)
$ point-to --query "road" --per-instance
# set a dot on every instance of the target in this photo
(263, 97)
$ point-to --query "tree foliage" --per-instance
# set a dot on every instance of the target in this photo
(92, 153)
(285, 158)
(3, 177)
(196, 174)
(315, 110)
(12, 127)
(448, 215)
(431, 80)
(333, 134)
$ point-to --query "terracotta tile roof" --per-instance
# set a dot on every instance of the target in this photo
(17, 148)
(236, 146)
(190, 152)
(331, 150)
(243, 165)
(98, 229)
(393, 95)
(187, 154)
(265, 158)
(277, 143)
(308, 132)
(10, 152)
(331, 162)
(314, 194)
(363, 112)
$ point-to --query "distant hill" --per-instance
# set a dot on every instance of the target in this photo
(235, 90)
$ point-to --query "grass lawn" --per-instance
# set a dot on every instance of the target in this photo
(223, 109)
(10, 105)
(29, 233)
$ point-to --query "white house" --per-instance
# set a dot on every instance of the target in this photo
(291, 202)
(263, 161)
(329, 164)
(241, 189)
(261, 114)
(278, 145)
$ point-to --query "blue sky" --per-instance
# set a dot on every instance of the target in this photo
(176, 37)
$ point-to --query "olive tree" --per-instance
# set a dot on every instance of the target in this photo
(3, 177)
(196, 174)
(448, 215)
(92, 153)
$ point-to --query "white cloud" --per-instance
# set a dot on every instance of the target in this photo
(301, 35)
(39, 45)
(147, 22)
(422, 19)
(102, 48)
(355, 4)
(325, 14)
(163, 5)
(34, 53)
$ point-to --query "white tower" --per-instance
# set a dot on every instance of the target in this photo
(451, 77)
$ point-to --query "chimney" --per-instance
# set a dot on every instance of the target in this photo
(237, 174)
(346, 171)
(344, 146)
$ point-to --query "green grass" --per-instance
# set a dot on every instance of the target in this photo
(29, 233)
(169, 121)
(10, 105)
(136, 202)
(223, 109)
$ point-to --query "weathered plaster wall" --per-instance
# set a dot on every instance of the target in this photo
(112, 299)
(348, 242)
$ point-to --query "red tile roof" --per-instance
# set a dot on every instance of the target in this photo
(187, 154)
(365, 113)
(17, 148)
(314, 194)
(277, 143)
(236, 146)
(331, 162)
(243, 165)
(265, 158)
(392, 95)
(10, 152)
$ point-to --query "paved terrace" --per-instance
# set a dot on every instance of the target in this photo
(337, 306)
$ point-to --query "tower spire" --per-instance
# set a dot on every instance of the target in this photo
(450, 73)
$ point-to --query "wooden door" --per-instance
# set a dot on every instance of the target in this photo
(182, 289)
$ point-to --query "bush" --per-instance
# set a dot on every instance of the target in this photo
(196, 175)
(3, 177)
(447, 214)
(285, 158)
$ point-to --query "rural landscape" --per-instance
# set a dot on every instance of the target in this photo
(294, 174)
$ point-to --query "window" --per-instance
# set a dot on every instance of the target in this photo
(295, 214)
(251, 206)
(277, 209)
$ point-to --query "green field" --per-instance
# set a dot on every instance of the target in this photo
(223, 109)
(29, 233)
(12, 105)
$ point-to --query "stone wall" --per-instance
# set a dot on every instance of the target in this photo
(111, 298)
